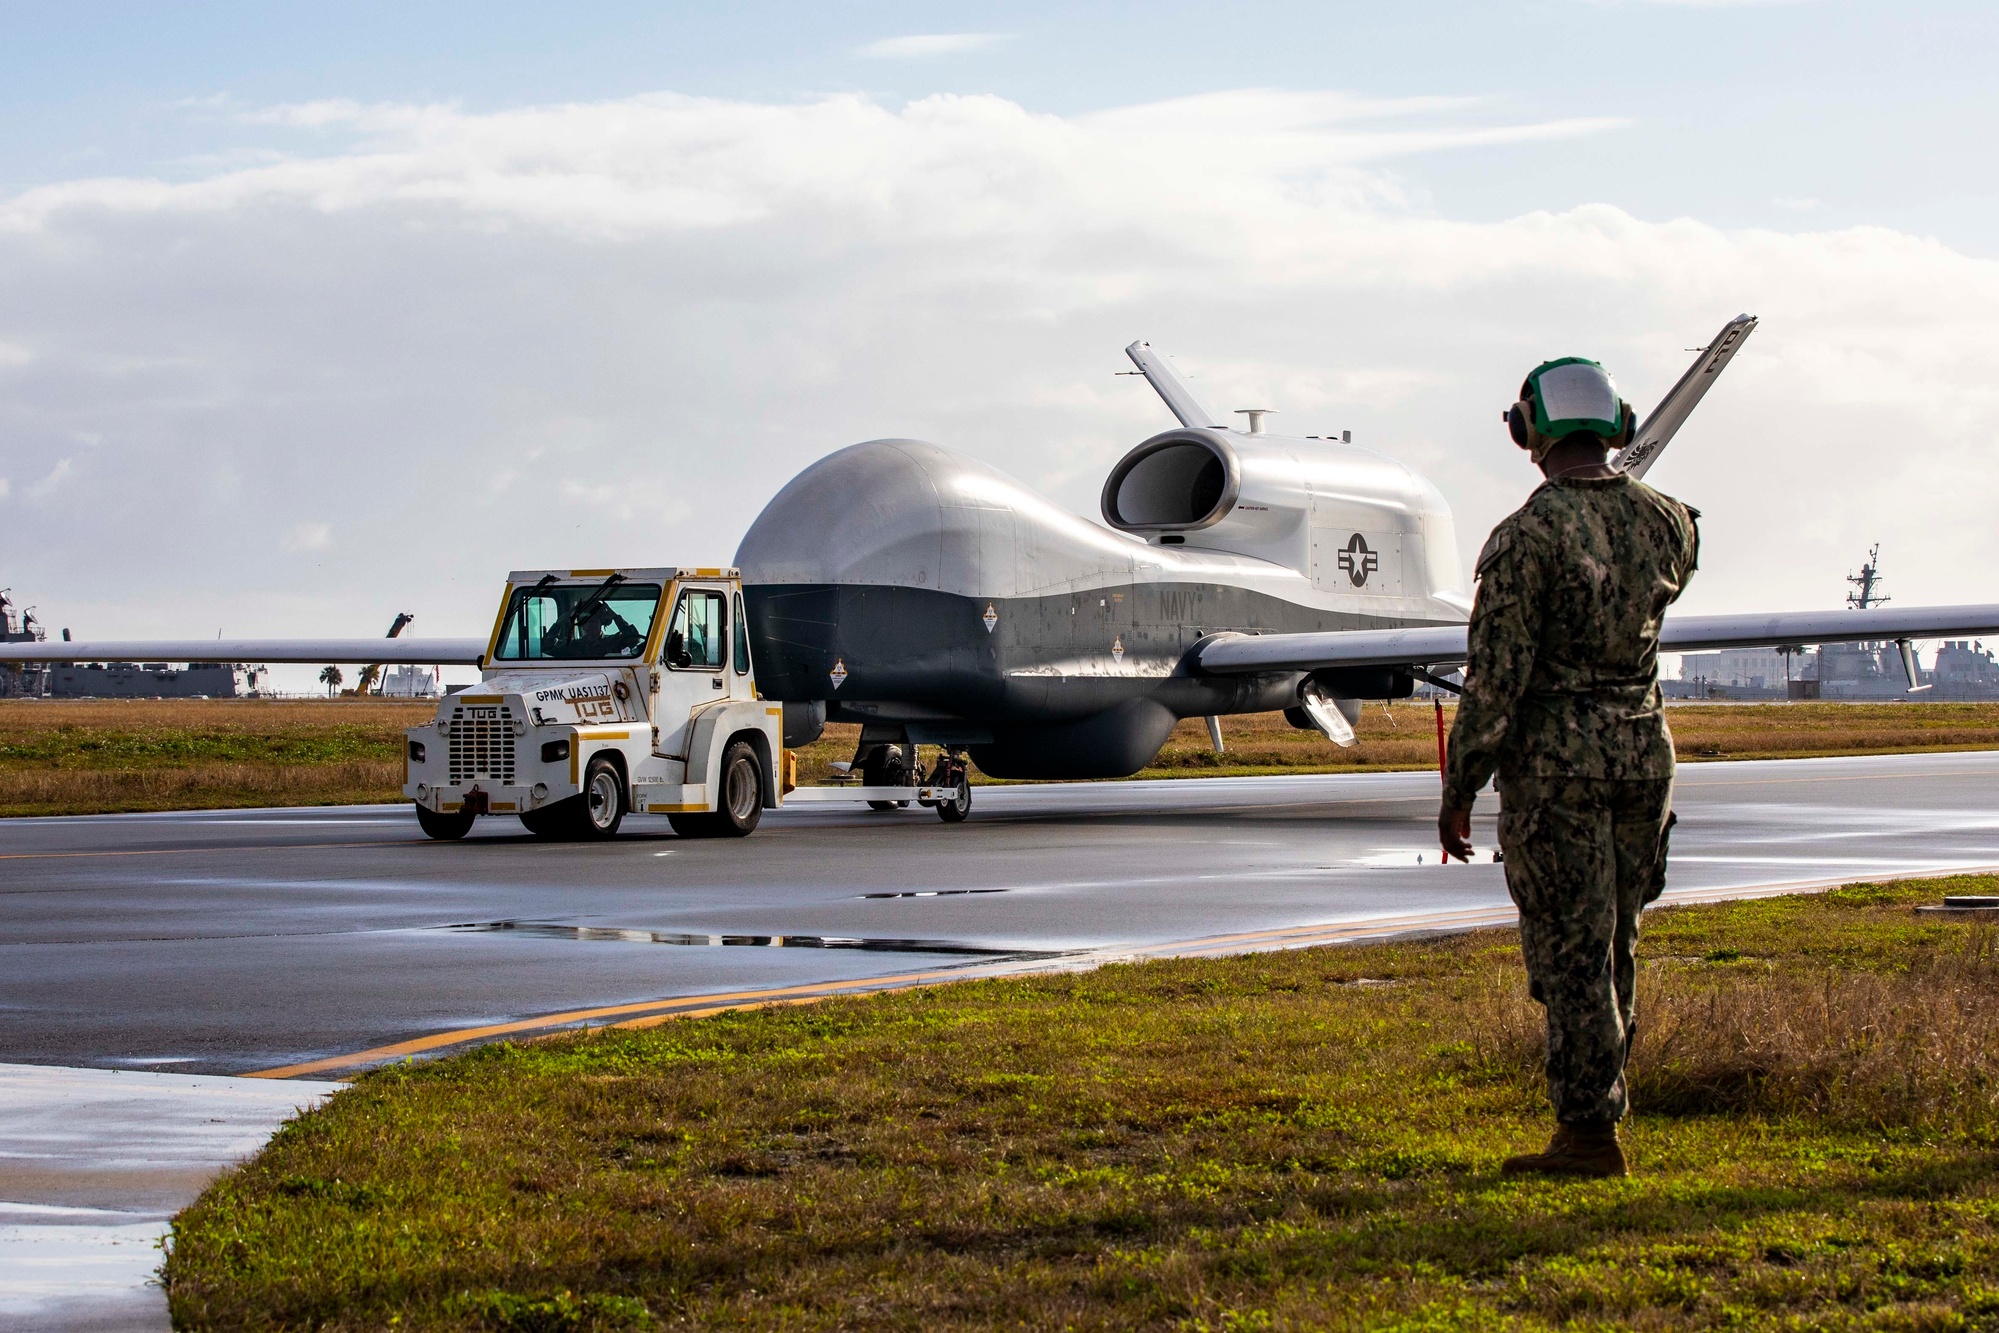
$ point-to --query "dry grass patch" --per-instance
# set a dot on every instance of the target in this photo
(96, 756)
(1403, 736)
(66, 757)
(1248, 1143)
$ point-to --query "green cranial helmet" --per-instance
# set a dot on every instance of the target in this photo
(1572, 394)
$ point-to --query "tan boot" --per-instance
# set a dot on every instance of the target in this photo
(1586, 1149)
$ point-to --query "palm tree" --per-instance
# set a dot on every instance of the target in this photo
(331, 677)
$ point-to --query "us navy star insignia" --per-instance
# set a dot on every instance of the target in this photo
(1357, 560)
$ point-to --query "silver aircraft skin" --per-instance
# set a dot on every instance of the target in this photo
(935, 600)
(930, 595)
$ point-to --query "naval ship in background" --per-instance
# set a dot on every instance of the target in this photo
(1964, 670)
(112, 680)
(167, 680)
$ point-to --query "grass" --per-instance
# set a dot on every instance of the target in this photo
(1278, 1141)
(69, 757)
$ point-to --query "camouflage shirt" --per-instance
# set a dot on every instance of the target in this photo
(1564, 672)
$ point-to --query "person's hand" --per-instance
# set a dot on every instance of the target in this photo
(1454, 832)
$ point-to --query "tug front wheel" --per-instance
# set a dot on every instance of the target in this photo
(601, 807)
(592, 814)
(443, 827)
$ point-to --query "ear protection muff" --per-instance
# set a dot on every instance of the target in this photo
(1519, 420)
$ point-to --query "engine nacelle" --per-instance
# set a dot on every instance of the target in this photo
(1355, 521)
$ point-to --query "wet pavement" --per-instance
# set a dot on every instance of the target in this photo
(233, 942)
(92, 1165)
(301, 941)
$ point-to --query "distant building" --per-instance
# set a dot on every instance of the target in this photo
(1753, 668)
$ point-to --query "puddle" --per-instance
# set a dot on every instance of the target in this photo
(149, 1061)
(548, 930)
(1389, 857)
(932, 893)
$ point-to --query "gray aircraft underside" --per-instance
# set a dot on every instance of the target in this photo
(935, 600)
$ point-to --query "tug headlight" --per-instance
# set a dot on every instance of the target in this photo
(554, 752)
(416, 752)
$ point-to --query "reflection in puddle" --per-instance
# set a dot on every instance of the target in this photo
(932, 893)
(147, 1061)
(549, 930)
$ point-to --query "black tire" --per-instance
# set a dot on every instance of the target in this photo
(885, 767)
(593, 814)
(443, 827)
(693, 826)
(739, 804)
(954, 810)
(551, 821)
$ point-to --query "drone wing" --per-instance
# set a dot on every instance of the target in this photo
(1444, 645)
(388, 652)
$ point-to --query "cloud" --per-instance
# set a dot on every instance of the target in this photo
(594, 333)
(56, 477)
(14, 354)
(1799, 205)
(930, 44)
(5, 487)
(309, 537)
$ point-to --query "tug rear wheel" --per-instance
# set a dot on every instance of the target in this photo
(740, 804)
(443, 827)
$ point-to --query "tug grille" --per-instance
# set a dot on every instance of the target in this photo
(482, 746)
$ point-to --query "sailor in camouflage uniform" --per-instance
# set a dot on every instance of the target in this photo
(1562, 700)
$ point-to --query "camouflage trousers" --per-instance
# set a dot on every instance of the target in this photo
(1582, 857)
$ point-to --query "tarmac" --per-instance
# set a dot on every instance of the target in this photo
(316, 942)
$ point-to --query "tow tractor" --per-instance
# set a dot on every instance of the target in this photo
(606, 692)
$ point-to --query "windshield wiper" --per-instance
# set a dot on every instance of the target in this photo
(574, 620)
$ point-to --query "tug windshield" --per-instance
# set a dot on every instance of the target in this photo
(572, 621)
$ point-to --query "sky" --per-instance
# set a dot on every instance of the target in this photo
(311, 317)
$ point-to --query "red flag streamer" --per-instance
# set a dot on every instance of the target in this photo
(1443, 757)
(1442, 754)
